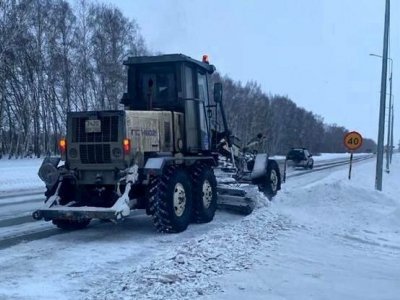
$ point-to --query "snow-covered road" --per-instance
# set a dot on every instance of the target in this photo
(18, 199)
(323, 237)
(21, 190)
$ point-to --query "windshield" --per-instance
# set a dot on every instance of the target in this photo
(153, 87)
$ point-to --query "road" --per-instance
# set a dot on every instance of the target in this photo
(17, 224)
(75, 265)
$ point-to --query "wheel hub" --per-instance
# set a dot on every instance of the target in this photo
(274, 180)
(179, 199)
(207, 194)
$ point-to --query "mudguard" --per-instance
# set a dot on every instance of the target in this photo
(260, 170)
(155, 165)
(260, 166)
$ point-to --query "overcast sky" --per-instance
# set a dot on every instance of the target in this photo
(314, 51)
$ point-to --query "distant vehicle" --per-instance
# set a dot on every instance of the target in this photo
(300, 157)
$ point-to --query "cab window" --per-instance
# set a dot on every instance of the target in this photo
(154, 87)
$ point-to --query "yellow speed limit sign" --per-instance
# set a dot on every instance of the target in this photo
(353, 140)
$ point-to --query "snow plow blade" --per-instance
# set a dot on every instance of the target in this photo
(76, 213)
(235, 200)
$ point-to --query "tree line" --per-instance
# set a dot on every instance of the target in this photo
(56, 57)
(250, 111)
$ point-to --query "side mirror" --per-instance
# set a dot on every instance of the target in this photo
(218, 92)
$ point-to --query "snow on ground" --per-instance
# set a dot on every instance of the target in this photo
(19, 174)
(328, 239)
(322, 237)
(334, 156)
(343, 242)
(326, 156)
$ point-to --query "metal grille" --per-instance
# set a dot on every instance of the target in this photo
(95, 153)
(109, 130)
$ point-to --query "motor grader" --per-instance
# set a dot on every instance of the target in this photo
(158, 153)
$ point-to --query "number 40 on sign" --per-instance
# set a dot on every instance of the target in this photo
(352, 140)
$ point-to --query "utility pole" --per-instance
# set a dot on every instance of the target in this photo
(381, 129)
(389, 119)
(391, 133)
(391, 116)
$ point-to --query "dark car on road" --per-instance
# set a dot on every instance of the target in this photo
(300, 157)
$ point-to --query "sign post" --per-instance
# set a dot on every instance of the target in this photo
(351, 163)
(353, 141)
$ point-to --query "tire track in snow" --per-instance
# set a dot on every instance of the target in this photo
(28, 237)
(20, 202)
(16, 221)
(15, 194)
(331, 165)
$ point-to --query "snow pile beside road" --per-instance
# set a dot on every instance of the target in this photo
(341, 208)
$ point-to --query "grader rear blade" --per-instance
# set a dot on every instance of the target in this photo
(234, 199)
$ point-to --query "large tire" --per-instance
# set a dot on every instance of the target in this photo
(204, 194)
(171, 201)
(71, 224)
(272, 181)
